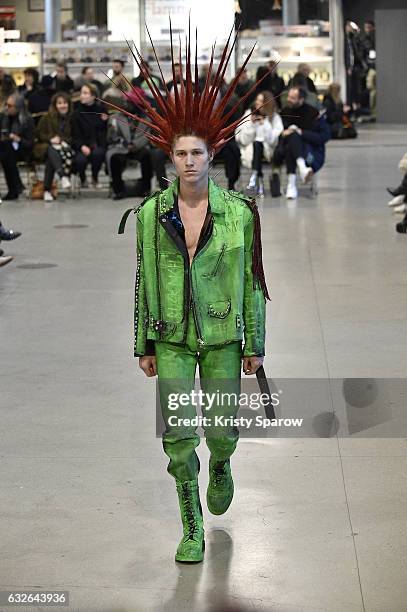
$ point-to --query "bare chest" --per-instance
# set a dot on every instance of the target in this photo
(192, 219)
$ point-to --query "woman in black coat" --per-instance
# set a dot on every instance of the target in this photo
(337, 114)
(89, 134)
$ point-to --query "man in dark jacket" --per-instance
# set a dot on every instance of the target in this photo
(16, 142)
(40, 99)
(62, 80)
(125, 142)
(302, 143)
(354, 64)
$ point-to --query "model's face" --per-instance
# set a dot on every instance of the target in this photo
(62, 106)
(86, 96)
(191, 159)
(293, 98)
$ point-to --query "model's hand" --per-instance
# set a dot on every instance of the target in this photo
(148, 364)
(252, 364)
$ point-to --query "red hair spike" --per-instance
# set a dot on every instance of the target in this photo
(188, 110)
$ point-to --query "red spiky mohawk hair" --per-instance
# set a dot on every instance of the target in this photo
(186, 110)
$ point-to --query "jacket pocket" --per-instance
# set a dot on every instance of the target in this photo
(219, 309)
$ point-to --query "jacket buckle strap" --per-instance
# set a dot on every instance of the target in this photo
(124, 218)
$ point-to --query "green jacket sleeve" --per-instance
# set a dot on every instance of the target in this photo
(142, 346)
(254, 303)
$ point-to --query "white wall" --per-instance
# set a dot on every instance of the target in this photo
(123, 20)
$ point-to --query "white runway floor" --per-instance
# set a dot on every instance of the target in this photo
(86, 504)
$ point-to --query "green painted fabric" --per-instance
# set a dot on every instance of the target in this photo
(228, 305)
(219, 370)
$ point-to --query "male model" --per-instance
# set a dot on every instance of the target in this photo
(200, 288)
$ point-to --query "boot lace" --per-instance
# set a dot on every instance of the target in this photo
(219, 471)
(189, 511)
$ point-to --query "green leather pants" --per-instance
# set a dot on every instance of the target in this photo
(219, 371)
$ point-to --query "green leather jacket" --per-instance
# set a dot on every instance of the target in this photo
(219, 286)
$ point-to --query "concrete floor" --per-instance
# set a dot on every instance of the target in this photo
(86, 503)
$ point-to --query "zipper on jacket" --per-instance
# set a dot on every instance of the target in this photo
(215, 270)
(199, 339)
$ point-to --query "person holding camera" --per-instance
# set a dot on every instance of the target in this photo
(16, 142)
(257, 138)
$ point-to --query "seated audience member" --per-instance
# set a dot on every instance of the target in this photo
(40, 99)
(117, 77)
(337, 114)
(178, 71)
(158, 161)
(399, 199)
(305, 70)
(6, 234)
(89, 134)
(16, 142)
(229, 154)
(62, 81)
(53, 143)
(140, 81)
(258, 137)
(242, 88)
(299, 80)
(272, 83)
(126, 141)
(7, 87)
(31, 83)
(302, 143)
(88, 76)
(277, 83)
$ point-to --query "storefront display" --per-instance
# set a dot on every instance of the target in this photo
(16, 56)
(99, 56)
(290, 46)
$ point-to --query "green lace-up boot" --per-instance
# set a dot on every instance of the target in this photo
(192, 546)
(220, 488)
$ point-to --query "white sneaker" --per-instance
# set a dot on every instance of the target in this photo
(306, 174)
(292, 192)
(65, 183)
(401, 208)
(48, 197)
(252, 181)
(396, 200)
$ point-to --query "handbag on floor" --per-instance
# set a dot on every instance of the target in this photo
(37, 190)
